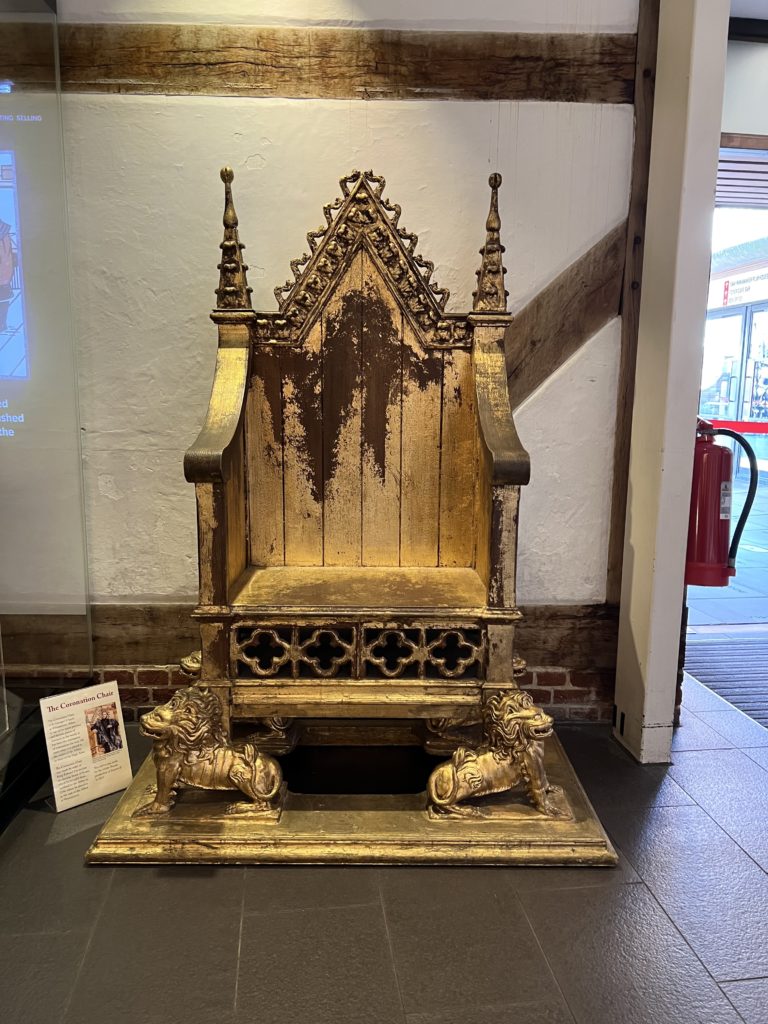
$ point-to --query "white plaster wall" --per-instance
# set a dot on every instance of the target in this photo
(745, 107)
(498, 15)
(145, 203)
(568, 427)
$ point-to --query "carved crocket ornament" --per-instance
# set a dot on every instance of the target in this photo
(512, 756)
(190, 749)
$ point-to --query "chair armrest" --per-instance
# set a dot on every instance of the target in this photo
(205, 461)
(510, 462)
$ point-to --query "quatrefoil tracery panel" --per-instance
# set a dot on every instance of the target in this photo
(453, 652)
(438, 653)
(327, 651)
(264, 651)
(360, 652)
(391, 651)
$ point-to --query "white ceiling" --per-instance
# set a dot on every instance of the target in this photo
(749, 9)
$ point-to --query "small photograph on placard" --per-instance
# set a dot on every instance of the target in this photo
(103, 730)
(85, 736)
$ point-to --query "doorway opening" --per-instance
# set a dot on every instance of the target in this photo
(727, 627)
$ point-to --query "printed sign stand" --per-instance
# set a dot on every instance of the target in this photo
(87, 749)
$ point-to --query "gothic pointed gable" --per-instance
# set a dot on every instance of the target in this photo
(362, 219)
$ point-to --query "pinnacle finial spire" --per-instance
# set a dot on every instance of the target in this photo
(491, 296)
(233, 291)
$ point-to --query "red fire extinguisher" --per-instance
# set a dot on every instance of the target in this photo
(711, 555)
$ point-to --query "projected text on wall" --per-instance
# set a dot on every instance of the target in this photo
(13, 336)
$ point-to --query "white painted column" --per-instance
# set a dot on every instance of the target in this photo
(684, 151)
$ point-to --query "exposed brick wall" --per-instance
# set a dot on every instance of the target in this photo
(568, 695)
(143, 687)
(572, 696)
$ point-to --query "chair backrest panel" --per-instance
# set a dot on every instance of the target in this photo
(362, 446)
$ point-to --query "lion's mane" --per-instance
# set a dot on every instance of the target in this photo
(197, 729)
(503, 724)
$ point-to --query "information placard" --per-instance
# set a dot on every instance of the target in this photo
(85, 735)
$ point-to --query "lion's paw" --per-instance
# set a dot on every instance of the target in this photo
(552, 809)
(248, 807)
(151, 809)
(456, 811)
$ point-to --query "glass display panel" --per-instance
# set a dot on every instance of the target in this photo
(42, 569)
(42, 537)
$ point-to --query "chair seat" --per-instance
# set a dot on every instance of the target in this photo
(359, 588)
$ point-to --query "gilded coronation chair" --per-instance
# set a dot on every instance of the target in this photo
(357, 481)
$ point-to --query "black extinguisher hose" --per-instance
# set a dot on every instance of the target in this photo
(751, 492)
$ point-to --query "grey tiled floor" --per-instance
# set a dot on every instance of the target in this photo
(678, 932)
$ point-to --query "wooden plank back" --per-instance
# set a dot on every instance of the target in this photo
(362, 445)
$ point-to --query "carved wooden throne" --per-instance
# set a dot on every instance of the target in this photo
(357, 481)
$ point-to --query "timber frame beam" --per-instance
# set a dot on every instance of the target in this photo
(564, 315)
(324, 63)
(645, 80)
(737, 140)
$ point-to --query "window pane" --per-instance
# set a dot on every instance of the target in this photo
(721, 369)
(755, 405)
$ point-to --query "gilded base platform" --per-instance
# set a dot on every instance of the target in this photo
(359, 829)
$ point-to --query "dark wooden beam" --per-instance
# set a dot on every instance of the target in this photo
(645, 77)
(120, 634)
(564, 315)
(731, 140)
(28, 55)
(332, 63)
(580, 637)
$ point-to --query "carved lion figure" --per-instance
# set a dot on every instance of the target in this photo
(512, 755)
(192, 663)
(190, 748)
